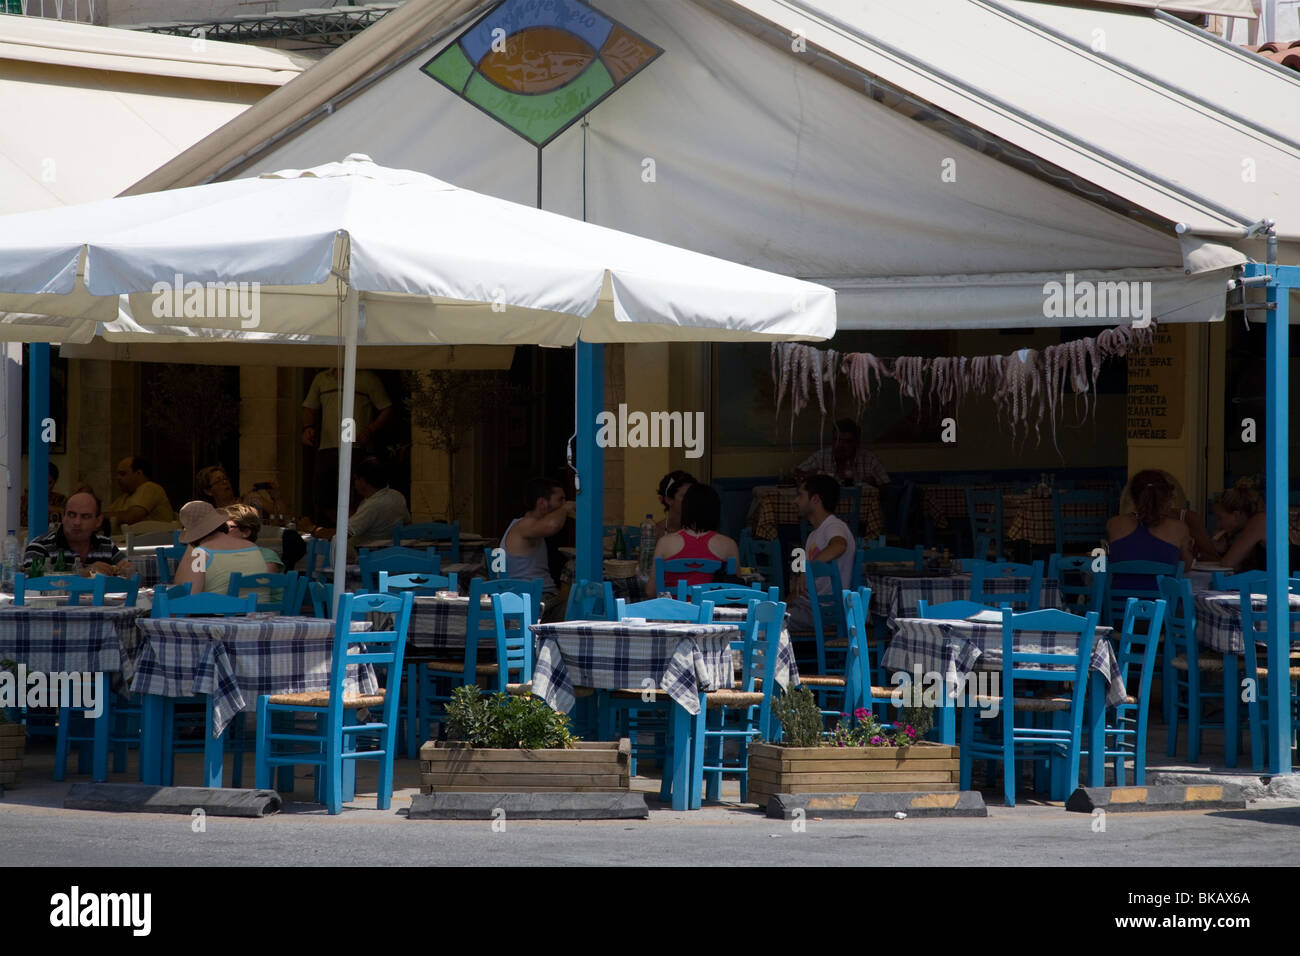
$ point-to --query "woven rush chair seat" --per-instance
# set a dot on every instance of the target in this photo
(733, 698)
(446, 667)
(520, 690)
(1205, 661)
(1038, 705)
(319, 699)
(817, 680)
(837, 642)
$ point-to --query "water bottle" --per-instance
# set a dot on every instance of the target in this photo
(646, 564)
(78, 568)
(10, 562)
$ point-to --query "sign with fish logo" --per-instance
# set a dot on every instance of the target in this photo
(538, 66)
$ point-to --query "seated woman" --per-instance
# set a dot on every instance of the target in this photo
(215, 487)
(1150, 532)
(1202, 545)
(1242, 527)
(698, 538)
(245, 523)
(672, 488)
(214, 553)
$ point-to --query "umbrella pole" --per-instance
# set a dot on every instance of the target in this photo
(347, 434)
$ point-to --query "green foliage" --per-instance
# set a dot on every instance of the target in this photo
(12, 668)
(801, 720)
(800, 717)
(506, 722)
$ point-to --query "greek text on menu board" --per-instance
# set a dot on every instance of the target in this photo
(1155, 384)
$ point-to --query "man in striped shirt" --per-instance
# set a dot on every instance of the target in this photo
(77, 536)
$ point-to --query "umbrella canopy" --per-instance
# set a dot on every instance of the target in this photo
(354, 253)
(432, 263)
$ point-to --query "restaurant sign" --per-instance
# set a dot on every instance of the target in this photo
(1156, 379)
(538, 66)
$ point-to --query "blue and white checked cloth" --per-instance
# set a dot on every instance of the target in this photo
(237, 659)
(680, 659)
(895, 597)
(955, 648)
(69, 639)
(1218, 619)
(787, 672)
(438, 625)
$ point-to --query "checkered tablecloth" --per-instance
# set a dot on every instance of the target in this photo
(1218, 619)
(146, 565)
(775, 506)
(69, 639)
(956, 648)
(942, 503)
(787, 672)
(894, 597)
(1030, 518)
(438, 625)
(237, 659)
(680, 659)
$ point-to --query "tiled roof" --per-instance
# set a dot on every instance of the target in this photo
(1281, 51)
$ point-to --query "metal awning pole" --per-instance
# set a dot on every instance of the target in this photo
(352, 312)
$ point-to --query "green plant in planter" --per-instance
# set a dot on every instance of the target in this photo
(800, 717)
(801, 720)
(506, 722)
(7, 666)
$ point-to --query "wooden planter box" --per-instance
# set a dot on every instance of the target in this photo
(13, 744)
(924, 766)
(589, 767)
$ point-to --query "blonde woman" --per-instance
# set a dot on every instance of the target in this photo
(1242, 527)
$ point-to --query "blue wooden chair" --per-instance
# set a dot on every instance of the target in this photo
(73, 585)
(859, 685)
(512, 616)
(396, 560)
(420, 585)
(1241, 581)
(127, 586)
(1089, 528)
(431, 531)
(1069, 665)
(687, 566)
(319, 594)
(1254, 629)
(642, 716)
(985, 576)
(1082, 589)
(165, 557)
(408, 707)
(282, 593)
(827, 612)
(850, 502)
(590, 601)
(749, 705)
(950, 610)
(867, 554)
(334, 741)
(319, 563)
(1193, 675)
(763, 556)
(1133, 579)
(725, 595)
(1126, 723)
(984, 506)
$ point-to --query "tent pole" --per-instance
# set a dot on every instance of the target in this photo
(353, 311)
(589, 382)
(38, 450)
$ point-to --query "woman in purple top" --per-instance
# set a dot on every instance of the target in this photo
(1150, 533)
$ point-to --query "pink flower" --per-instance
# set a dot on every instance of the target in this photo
(860, 713)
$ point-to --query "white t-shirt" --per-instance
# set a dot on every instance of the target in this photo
(833, 527)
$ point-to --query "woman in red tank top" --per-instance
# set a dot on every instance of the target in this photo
(699, 538)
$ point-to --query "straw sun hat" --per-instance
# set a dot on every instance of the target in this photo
(199, 519)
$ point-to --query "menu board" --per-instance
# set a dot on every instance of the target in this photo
(1156, 378)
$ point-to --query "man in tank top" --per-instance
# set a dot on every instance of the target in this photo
(525, 538)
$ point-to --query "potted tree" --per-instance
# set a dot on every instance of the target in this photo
(13, 741)
(858, 756)
(517, 744)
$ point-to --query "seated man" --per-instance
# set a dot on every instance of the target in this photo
(77, 537)
(141, 498)
(381, 510)
(846, 461)
(525, 540)
(830, 540)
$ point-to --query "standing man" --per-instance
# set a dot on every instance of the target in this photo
(525, 540)
(846, 461)
(830, 540)
(78, 537)
(142, 499)
(320, 417)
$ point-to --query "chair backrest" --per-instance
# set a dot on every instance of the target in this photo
(725, 594)
(319, 592)
(1090, 526)
(827, 608)
(761, 631)
(128, 586)
(384, 650)
(950, 610)
(851, 502)
(73, 585)
(1254, 627)
(431, 531)
(1120, 585)
(1081, 588)
(1241, 581)
(764, 556)
(204, 603)
(858, 665)
(319, 560)
(665, 609)
(590, 601)
(421, 585)
(984, 505)
(1137, 645)
(165, 557)
(995, 583)
(866, 554)
(1066, 662)
(396, 560)
(480, 621)
(513, 620)
(687, 566)
(263, 586)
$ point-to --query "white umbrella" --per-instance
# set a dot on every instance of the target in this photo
(352, 252)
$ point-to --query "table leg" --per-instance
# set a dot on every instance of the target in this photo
(1095, 728)
(102, 723)
(682, 749)
(212, 750)
(151, 738)
(697, 754)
